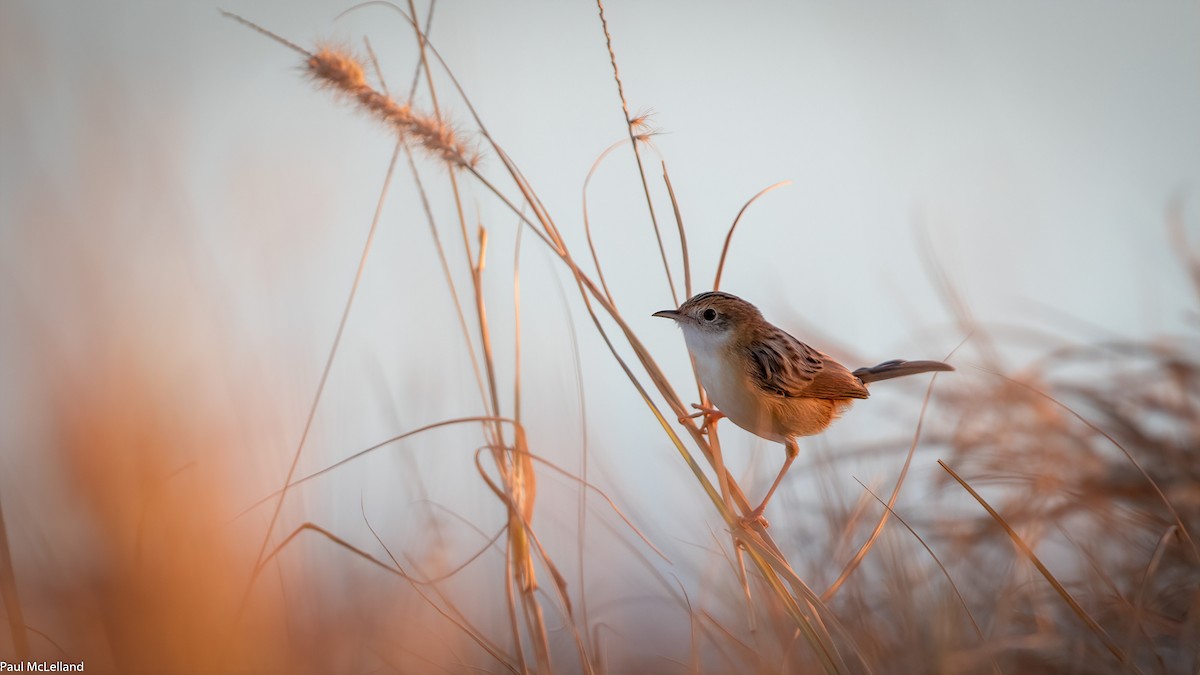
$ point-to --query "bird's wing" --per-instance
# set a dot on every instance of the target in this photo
(786, 367)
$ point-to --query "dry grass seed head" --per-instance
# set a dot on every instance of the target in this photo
(340, 69)
(642, 120)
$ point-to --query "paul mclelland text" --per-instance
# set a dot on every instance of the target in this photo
(40, 667)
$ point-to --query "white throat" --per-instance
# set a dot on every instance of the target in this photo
(712, 362)
(705, 344)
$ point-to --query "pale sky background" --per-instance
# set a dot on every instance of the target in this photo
(1036, 145)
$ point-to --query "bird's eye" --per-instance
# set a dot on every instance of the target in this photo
(710, 314)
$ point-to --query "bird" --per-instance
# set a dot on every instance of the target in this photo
(766, 381)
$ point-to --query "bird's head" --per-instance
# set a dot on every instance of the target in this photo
(713, 316)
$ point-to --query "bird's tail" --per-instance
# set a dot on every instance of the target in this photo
(898, 368)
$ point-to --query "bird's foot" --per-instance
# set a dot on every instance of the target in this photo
(710, 414)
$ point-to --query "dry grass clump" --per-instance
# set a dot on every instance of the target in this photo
(1093, 453)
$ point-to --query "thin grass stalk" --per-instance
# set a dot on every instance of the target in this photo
(484, 420)
(1135, 622)
(587, 225)
(693, 642)
(736, 220)
(531, 199)
(683, 247)
(490, 543)
(485, 338)
(375, 66)
(412, 91)
(718, 460)
(536, 625)
(510, 596)
(637, 152)
(263, 31)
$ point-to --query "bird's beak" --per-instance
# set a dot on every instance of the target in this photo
(668, 314)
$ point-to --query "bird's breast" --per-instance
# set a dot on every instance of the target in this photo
(732, 391)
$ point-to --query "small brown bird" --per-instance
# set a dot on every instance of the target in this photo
(768, 382)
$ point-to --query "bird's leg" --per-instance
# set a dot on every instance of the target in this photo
(711, 415)
(757, 514)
